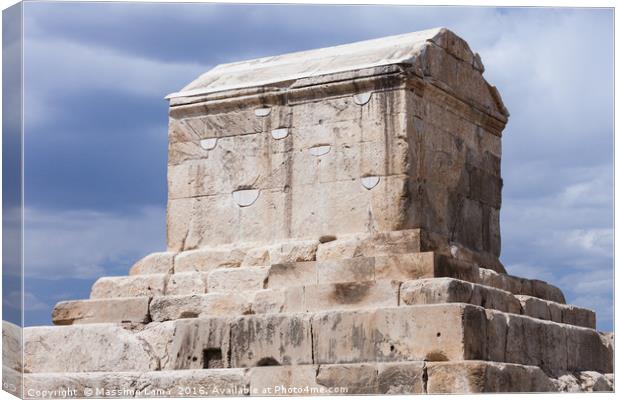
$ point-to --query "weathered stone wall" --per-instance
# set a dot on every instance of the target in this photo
(374, 150)
(308, 183)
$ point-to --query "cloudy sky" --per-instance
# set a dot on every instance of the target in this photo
(95, 124)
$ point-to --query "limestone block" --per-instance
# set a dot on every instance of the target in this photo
(576, 315)
(293, 251)
(337, 109)
(11, 346)
(401, 377)
(442, 153)
(442, 245)
(592, 381)
(85, 348)
(349, 132)
(401, 267)
(270, 301)
(81, 385)
(485, 187)
(12, 381)
(567, 382)
(329, 208)
(423, 265)
(589, 351)
(430, 332)
(196, 306)
(196, 382)
(534, 342)
(178, 131)
(154, 263)
(519, 286)
(216, 125)
(236, 279)
(187, 283)
(460, 77)
(455, 46)
(568, 314)
(448, 290)
(220, 169)
(338, 379)
(370, 245)
(129, 286)
(123, 309)
(293, 274)
(217, 220)
(284, 380)
(356, 378)
(287, 251)
(608, 339)
(198, 343)
(552, 346)
(271, 339)
(335, 208)
(182, 383)
(584, 381)
(543, 290)
(206, 260)
(484, 376)
(383, 157)
(346, 270)
(496, 335)
(256, 256)
(179, 152)
(405, 266)
(351, 295)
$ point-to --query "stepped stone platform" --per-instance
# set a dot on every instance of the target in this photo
(333, 228)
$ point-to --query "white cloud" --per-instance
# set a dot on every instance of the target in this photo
(31, 301)
(61, 67)
(82, 244)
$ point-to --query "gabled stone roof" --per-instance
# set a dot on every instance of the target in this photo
(416, 51)
(400, 49)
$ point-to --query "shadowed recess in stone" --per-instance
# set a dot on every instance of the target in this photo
(370, 182)
(212, 358)
(208, 144)
(320, 150)
(362, 98)
(279, 133)
(245, 197)
(262, 112)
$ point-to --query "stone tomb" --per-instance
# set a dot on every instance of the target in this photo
(333, 227)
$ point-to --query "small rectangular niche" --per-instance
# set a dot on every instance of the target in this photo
(212, 358)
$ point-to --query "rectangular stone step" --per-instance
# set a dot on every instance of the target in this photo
(86, 348)
(129, 286)
(149, 285)
(122, 309)
(435, 332)
(413, 377)
(557, 312)
(325, 249)
(399, 267)
(448, 290)
(407, 266)
(155, 384)
(521, 286)
(313, 298)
